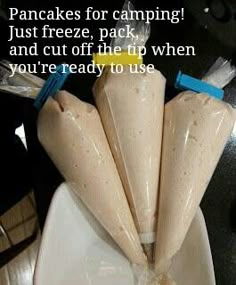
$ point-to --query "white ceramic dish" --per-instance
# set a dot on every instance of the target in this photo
(76, 250)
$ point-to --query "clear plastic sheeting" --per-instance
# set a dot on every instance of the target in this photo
(131, 107)
(196, 130)
(21, 84)
(221, 73)
(148, 276)
(19, 79)
(72, 134)
(27, 92)
(141, 32)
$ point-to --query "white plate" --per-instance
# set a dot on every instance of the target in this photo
(75, 250)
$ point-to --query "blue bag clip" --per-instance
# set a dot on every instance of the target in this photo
(186, 82)
(53, 84)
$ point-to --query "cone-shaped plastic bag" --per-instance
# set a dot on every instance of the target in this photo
(196, 130)
(71, 132)
(131, 108)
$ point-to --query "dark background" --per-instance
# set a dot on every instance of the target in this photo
(213, 34)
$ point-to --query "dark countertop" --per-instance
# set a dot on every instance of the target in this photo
(219, 202)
